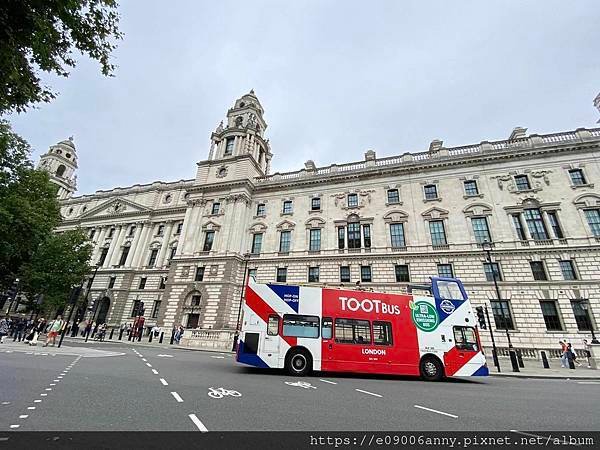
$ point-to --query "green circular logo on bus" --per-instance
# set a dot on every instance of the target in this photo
(425, 316)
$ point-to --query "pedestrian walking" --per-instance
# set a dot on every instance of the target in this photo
(19, 329)
(571, 350)
(587, 348)
(4, 328)
(88, 328)
(563, 354)
(54, 328)
(569, 356)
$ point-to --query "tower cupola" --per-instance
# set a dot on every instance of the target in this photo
(60, 161)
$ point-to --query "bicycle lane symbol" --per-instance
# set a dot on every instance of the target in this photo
(222, 392)
(302, 384)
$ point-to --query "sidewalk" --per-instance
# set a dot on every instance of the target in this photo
(39, 350)
(535, 369)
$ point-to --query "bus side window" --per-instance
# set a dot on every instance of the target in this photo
(327, 328)
(382, 333)
(273, 325)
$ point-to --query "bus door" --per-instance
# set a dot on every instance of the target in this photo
(271, 340)
(466, 345)
(326, 340)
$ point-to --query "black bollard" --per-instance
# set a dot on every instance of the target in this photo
(87, 335)
(162, 334)
(172, 337)
(140, 335)
(112, 331)
(544, 360)
(520, 359)
(513, 360)
(494, 357)
(150, 338)
(121, 334)
(130, 333)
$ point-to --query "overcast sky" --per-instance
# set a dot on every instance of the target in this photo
(335, 78)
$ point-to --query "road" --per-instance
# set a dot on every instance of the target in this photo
(142, 388)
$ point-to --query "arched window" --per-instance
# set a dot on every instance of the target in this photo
(60, 171)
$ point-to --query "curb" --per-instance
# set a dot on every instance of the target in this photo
(547, 377)
(150, 345)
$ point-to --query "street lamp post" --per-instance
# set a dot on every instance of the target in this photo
(487, 248)
(237, 326)
(586, 308)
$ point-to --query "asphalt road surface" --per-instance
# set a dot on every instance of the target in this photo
(137, 389)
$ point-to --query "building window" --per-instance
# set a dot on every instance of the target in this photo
(163, 281)
(315, 204)
(287, 207)
(256, 243)
(281, 274)
(502, 314)
(568, 269)
(352, 200)
(577, 178)
(471, 188)
(209, 238)
(535, 224)
(172, 254)
(430, 192)
(445, 270)
(352, 331)
(402, 273)
(367, 236)
(260, 210)
(195, 301)
(161, 230)
(153, 256)
(393, 196)
(199, 274)
(397, 235)
(285, 240)
(522, 182)
(315, 240)
(554, 224)
(111, 282)
(103, 255)
(354, 235)
(179, 228)
(538, 270)
(111, 232)
(229, 142)
(551, 317)
(124, 255)
(215, 208)
(490, 270)
(132, 230)
(593, 219)
(92, 233)
(341, 237)
(313, 274)
(516, 219)
(438, 232)
(142, 283)
(481, 230)
(252, 273)
(365, 274)
(345, 274)
(582, 312)
(156, 308)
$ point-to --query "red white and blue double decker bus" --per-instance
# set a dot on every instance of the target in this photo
(305, 328)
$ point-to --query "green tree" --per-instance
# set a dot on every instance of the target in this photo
(38, 35)
(29, 209)
(58, 264)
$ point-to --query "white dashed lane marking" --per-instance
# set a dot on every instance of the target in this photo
(177, 397)
(149, 365)
(37, 401)
(31, 407)
(369, 393)
(15, 426)
(327, 381)
(198, 423)
(437, 412)
(155, 372)
(23, 416)
(164, 382)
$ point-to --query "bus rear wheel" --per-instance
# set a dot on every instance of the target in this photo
(431, 369)
(299, 363)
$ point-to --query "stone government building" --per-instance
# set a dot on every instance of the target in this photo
(181, 247)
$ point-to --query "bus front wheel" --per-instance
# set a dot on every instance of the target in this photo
(298, 362)
(431, 369)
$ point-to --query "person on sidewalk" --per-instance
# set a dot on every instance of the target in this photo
(4, 328)
(55, 327)
(587, 348)
(571, 350)
(563, 354)
(19, 329)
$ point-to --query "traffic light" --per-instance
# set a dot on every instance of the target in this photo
(481, 317)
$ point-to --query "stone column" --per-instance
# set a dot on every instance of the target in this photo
(99, 242)
(112, 244)
(142, 243)
(134, 244)
(160, 262)
(191, 225)
(118, 241)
